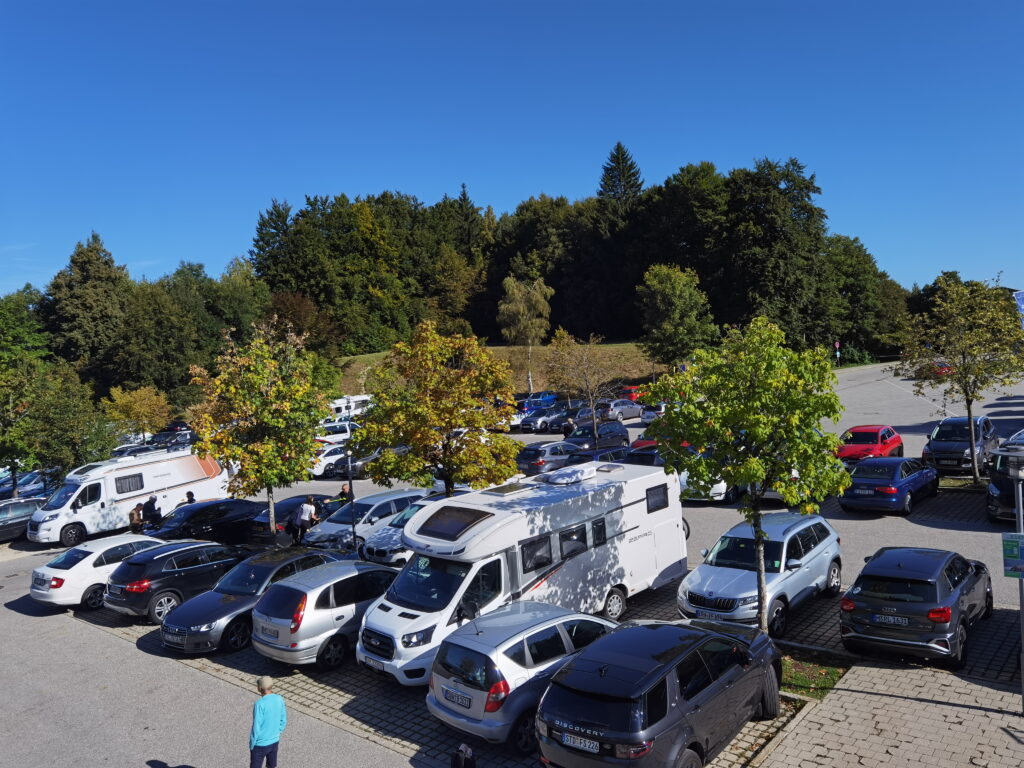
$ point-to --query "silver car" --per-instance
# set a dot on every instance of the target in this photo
(314, 616)
(801, 557)
(370, 514)
(490, 673)
(619, 410)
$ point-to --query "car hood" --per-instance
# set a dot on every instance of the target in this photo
(856, 451)
(397, 620)
(724, 582)
(386, 538)
(948, 446)
(210, 606)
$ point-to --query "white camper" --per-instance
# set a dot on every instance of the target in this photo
(585, 537)
(98, 497)
(349, 407)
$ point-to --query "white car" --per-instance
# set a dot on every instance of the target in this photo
(79, 575)
(328, 457)
(371, 513)
(337, 432)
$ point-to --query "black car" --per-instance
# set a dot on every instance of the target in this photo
(222, 617)
(15, 514)
(283, 511)
(154, 582)
(916, 601)
(229, 521)
(609, 434)
(613, 455)
(658, 694)
(1001, 499)
(949, 446)
(646, 457)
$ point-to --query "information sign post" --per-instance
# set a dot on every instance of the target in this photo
(1012, 458)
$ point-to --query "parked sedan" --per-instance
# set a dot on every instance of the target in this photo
(329, 458)
(620, 410)
(651, 413)
(360, 465)
(543, 457)
(920, 602)
(889, 485)
(868, 442)
(608, 435)
(30, 485)
(557, 423)
(15, 514)
(222, 618)
(540, 420)
(228, 521)
(283, 512)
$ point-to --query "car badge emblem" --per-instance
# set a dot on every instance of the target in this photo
(711, 594)
(887, 609)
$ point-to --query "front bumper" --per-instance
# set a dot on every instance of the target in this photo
(184, 640)
(494, 731)
(741, 614)
(405, 668)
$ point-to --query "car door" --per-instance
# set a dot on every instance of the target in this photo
(544, 649)
(704, 704)
(88, 504)
(797, 580)
(737, 679)
(378, 517)
(966, 588)
(191, 573)
(220, 560)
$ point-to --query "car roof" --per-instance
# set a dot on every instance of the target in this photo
(494, 628)
(374, 498)
(777, 525)
(885, 461)
(164, 550)
(101, 545)
(279, 556)
(312, 578)
(959, 419)
(629, 660)
(868, 428)
(908, 562)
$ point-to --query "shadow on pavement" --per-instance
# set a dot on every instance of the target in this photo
(26, 606)
(162, 764)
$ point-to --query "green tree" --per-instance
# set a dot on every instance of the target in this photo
(20, 381)
(621, 183)
(757, 406)
(260, 412)
(137, 410)
(579, 368)
(442, 397)
(675, 313)
(21, 332)
(523, 316)
(975, 329)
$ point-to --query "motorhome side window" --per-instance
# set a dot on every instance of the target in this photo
(598, 532)
(573, 541)
(657, 498)
(128, 484)
(536, 554)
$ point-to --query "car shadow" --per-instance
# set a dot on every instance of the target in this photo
(32, 547)
(163, 764)
(26, 606)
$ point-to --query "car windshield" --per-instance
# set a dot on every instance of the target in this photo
(61, 496)
(872, 472)
(739, 552)
(585, 431)
(344, 514)
(69, 559)
(403, 517)
(427, 583)
(952, 432)
(245, 579)
(177, 516)
(896, 590)
(860, 438)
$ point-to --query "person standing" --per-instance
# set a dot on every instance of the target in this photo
(268, 721)
(345, 494)
(307, 517)
(151, 512)
(135, 519)
(190, 498)
(569, 427)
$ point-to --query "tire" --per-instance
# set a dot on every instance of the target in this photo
(898, 452)
(908, 504)
(686, 528)
(959, 659)
(332, 653)
(614, 604)
(161, 605)
(987, 613)
(72, 535)
(768, 708)
(933, 489)
(542, 427)
(778, 618)
(236, 636)
(618, 416)
(833, 580)
(523, 736)
(732, 494)
(328, 471)
(93, 597)
(689, 759)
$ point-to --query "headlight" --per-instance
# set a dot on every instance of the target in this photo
(414, 639)
(50, 518)
(747, 600)
(201, 627)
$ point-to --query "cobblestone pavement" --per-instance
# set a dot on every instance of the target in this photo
(890, 714)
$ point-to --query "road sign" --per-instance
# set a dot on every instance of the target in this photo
(1013, 555)
(837, 345)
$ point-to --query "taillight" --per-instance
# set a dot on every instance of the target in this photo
(137, 586)
(846, 604)
(496, 696)
(300, 611)
(56, 583)
(539, 463)
(633, 751)
(887, 489)
(280, 527)
(430, 682)
(940, 615)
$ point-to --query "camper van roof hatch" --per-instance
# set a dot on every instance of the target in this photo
(449, 523)
(571, 475)
(610, 468)
(505, 490)
(86, 469)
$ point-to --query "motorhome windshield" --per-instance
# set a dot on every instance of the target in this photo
(428, 583)
(61, 496)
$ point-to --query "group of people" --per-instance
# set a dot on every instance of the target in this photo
(309, 513)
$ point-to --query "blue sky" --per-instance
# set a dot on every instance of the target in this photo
(168, 127)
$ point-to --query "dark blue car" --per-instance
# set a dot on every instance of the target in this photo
(890, 484)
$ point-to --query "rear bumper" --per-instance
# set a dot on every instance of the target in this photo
(876, 503)
(936, 646)
(493, 731)
(305, 655)
(126, 608)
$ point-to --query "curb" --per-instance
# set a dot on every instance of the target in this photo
(776, 740)
(837, 652)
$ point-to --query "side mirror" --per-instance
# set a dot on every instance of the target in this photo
(793, 564)
(703, 553)
(867, 559)
(76, 504)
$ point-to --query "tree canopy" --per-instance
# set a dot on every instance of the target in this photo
(676, 316)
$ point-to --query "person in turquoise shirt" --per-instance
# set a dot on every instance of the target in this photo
(268, 721)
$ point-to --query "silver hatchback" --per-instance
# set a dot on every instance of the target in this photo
(314, 616)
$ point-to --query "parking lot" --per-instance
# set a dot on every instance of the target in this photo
(194, 711)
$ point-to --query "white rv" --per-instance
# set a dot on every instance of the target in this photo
(349, 407)
(98, 497)
(585, 537)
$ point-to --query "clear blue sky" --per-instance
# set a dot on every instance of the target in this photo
(168, 127)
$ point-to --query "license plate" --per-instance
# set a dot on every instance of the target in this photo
(948, 462)
(588, 745)
(701, 614)
(457, 698)
(900, 620)
(112, 590)
(40, 581)
(171, 637)
(267, 632)
(863, 491)
(374, 664)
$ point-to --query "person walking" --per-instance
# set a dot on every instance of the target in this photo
(569, 427)
(268, 721)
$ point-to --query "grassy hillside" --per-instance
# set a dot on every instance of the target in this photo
(626, 364)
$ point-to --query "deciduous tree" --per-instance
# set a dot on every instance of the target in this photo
(523, 316)
(676, 316)
(579, 368)
(750, 413)
(137, 410)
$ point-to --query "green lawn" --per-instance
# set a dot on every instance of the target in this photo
(809, 677)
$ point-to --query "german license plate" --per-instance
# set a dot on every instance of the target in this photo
(112, 590)
(374, 664)
(948, 462)
(268, 632)
(457, 698)
(578, 742)
(898, 620)
(706, 614)
(863, 491)
(174, 638)
(40, 581)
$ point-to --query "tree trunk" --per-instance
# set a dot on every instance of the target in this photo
(974, 453)
(593, 419)
(762, 590)
(270, 511)
(529, 368)
(14, 481)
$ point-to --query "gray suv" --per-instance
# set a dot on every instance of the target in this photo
(949, 447)
(489, 674)
(801, 557)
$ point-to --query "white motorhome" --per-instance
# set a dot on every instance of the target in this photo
(349, 407)
(98, 497)
(585, 537)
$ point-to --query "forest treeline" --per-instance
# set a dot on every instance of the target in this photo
(357, 274)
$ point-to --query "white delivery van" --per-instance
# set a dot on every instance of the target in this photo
(98, 496)
(349, 407)
(585, 537)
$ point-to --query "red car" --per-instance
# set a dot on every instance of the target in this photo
(868, 442)
(629, 392)
(643, 442)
